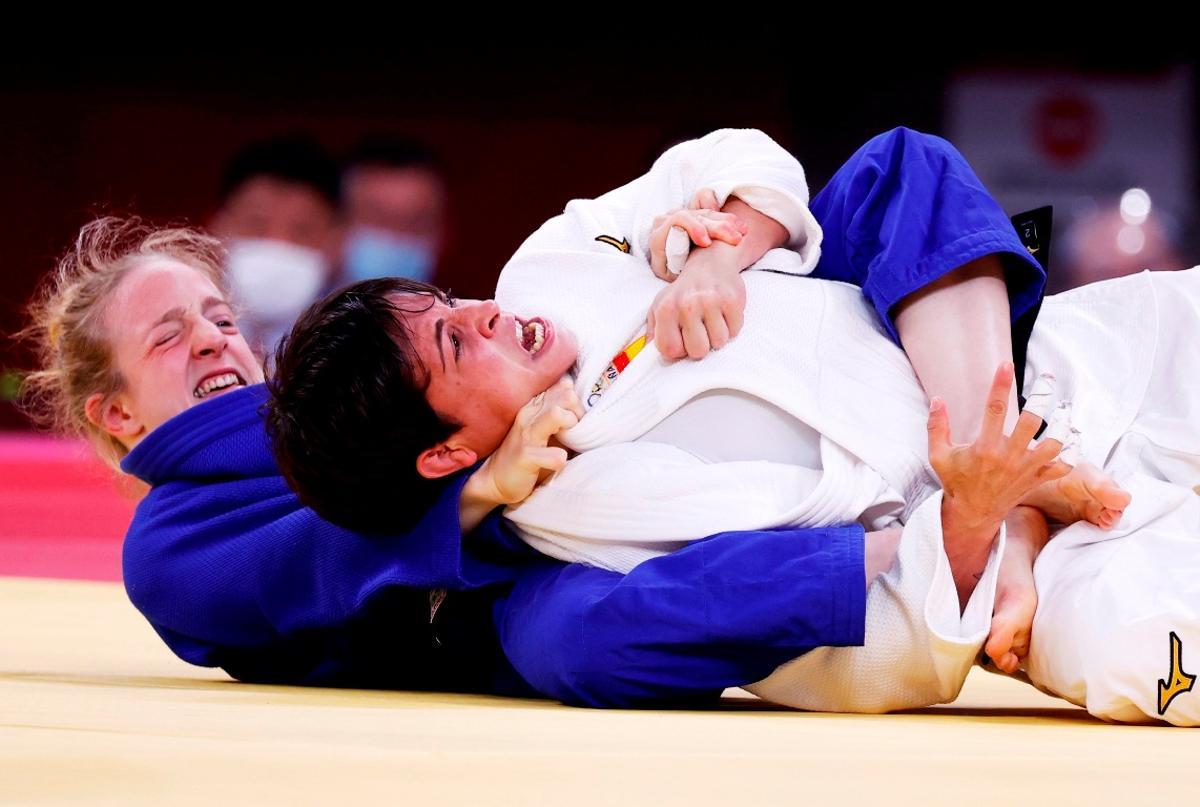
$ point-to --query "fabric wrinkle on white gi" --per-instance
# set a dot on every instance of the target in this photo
(1110, 600)
(817, 351)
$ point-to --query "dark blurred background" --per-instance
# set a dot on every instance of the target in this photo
(519, 135)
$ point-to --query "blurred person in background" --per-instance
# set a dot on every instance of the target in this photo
(278, 218)
(394, 202)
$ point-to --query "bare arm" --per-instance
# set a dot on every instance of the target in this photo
(956, 331)
(762, 235)
(984, 480)
(475, 502)
(879, 551)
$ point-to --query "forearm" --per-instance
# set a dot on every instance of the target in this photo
(967, 541)
(967, 567)
(956, 331)
(879, 552)
(720, 612)
(477, 500)
(762, 235)
(1026, 534)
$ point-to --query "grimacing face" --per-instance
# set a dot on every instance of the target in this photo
(484, 364)
(174, 343)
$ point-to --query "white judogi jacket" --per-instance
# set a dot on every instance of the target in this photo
(816, 350)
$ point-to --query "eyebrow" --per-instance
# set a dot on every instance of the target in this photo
(178, 311)
(173, 314)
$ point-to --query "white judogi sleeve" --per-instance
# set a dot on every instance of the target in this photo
(731, 162)
(619, 505)
(917, 650)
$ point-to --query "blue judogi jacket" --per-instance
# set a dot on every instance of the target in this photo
(233, 572)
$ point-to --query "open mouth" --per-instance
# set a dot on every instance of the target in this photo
(531, 334)
(217, 383)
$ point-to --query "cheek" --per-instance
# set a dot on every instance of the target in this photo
(251, 363)
(165, 381)
(564, 356)
(150, 397)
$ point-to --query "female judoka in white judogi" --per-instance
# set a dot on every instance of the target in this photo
(846, 442)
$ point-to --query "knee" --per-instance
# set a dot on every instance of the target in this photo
(909, 144)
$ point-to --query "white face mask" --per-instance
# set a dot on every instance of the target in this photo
(275, 280)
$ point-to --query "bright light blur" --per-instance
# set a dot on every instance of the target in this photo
(1135, 206)
(1131, 240)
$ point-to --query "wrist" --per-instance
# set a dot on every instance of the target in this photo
(477, 498)
(967, 540)
(965, 522)
(480, 489)
(718, 258)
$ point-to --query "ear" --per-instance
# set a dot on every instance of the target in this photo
(111, 415)
(443, 460)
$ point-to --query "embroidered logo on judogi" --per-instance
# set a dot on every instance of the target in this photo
(1179, 681)
(622, 245)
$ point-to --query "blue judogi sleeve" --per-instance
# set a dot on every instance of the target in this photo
(680, 628)
(906, 209)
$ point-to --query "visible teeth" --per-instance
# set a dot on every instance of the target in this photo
(215, 383)
(537, 331)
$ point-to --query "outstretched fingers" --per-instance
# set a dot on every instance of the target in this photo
(991, 433)
(939, 432)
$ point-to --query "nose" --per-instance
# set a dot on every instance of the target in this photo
(207, 339)
(486, 316)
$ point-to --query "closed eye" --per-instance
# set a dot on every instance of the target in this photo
(166, 339)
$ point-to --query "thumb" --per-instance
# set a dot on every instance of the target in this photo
(650, 326)
(704, 199)
(548, 458)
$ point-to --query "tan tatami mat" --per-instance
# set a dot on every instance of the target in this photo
(94, 710)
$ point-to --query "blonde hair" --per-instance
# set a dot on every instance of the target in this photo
(67, 328)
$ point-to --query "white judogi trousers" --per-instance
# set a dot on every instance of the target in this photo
(1113, 605)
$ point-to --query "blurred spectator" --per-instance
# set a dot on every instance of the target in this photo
(394, 206)
(278, 218)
